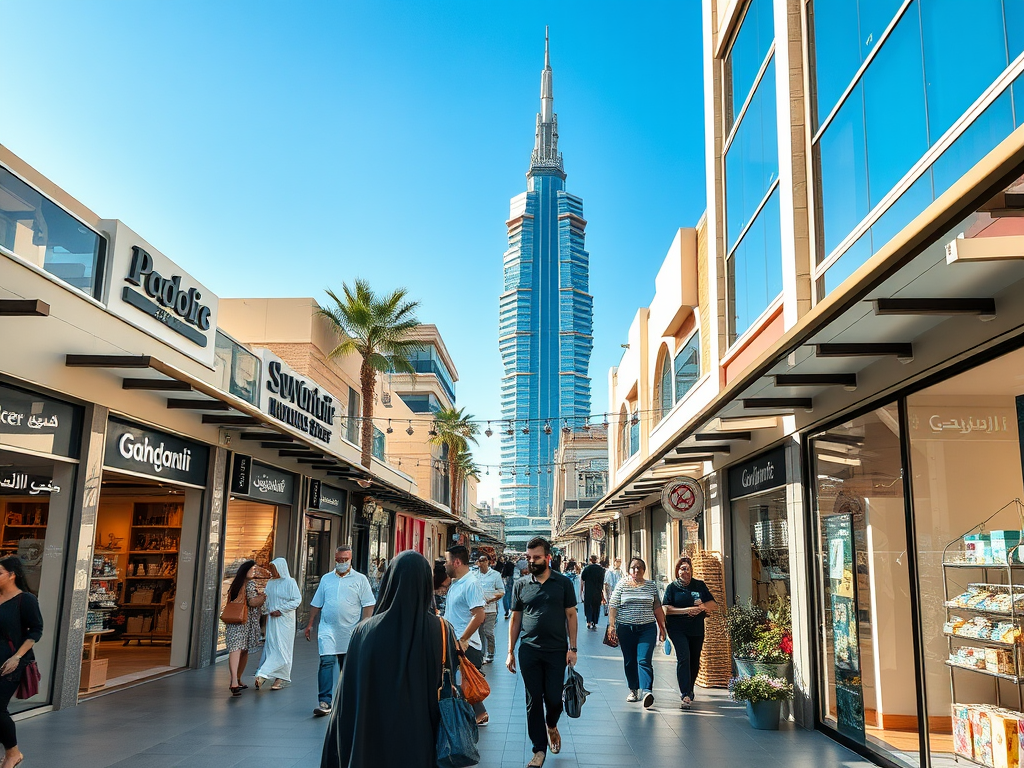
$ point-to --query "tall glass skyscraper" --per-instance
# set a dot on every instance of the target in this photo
(545, 326)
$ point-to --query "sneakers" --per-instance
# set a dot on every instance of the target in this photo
(507, 614)
(633, 696)
(488, 660)
(648, 698)
(323, 709)
(686, 702)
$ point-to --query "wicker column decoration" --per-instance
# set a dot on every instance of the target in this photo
(716, 658)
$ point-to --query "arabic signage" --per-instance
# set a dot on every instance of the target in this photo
(683, 498)
(23, 484)
(241, 474)
(159, 297)
(763, 473)
(38, 423)
(326, 498)
(265, 483)
(295, 400)
(155, 454)
(962, 422)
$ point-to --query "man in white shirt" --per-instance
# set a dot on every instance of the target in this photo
(494, 590)
(342, 600)
(611, 579)
(464, 610)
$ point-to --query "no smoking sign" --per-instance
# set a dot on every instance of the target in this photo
(683, 498)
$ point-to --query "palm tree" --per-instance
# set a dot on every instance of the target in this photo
(454, 429)
(465, 468)
(377, 329)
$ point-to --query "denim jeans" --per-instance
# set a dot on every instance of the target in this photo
(637, 642)
(687, 648)
(325, 675)
(507, 599)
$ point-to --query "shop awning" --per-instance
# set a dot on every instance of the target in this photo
(223, 409)
(942, 290)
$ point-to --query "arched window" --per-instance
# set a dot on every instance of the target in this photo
(663, 385)
(623, 435)
(687, 366)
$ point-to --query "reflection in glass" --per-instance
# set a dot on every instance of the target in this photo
(744, 59)
(754, 269)
(687, 367)
(42, 233)
(663, 387)
(868, 678)
(991, 126)
(752, 159)
(843, 173)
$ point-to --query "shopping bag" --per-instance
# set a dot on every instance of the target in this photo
(573, 692)
(457, 733)
(474, 685)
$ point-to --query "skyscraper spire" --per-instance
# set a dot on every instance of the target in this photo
(545, 148)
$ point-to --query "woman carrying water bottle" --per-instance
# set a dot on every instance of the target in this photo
(687, 602)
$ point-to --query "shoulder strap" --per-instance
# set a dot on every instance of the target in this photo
(444, 641)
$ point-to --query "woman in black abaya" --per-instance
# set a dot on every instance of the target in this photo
(386, 713)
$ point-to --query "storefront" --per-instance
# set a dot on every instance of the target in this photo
(148, 527)
(323, 532)
(258, 520)
(39, 445)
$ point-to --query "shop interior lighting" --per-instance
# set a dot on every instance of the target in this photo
(850, 461)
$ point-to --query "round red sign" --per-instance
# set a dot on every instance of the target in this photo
(683, 498)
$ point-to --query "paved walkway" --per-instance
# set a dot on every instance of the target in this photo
(189, 719)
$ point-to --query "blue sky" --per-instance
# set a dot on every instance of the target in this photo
(278, 149)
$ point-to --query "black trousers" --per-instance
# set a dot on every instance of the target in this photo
(543, 676)
(592, 608)
(8, 686)
(687, 648)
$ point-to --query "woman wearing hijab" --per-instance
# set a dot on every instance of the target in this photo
(393, 666)
(283, 597)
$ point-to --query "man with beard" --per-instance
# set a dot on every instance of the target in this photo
(544, 615)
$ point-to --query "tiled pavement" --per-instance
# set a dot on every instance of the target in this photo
(190, 720)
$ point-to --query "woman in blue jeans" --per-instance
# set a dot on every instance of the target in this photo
(637, 620)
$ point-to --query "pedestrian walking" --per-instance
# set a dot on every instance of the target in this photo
(508, 576)
(243, 639)
(637, 620)
(283, 598)
(21, 625)
(343, 598)
(592, 580)
(441, 583)
(494, 590)
(687, 602)
(572, 573)
(387, 712)
(544, 619)
(464, 610)
(612, 577)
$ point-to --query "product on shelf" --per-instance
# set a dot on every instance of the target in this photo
(988, 734)
(982, 628)
(963, 738)
(989, 597)
(992, 548)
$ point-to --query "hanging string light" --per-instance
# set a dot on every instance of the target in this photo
(389, 429)
(433, 430)
(526, 427)
(488, 431)
(410, 430)
(547, 427)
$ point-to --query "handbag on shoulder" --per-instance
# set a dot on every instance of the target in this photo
(457, 733)
(612, 642)
(237, 610)
(474, 686)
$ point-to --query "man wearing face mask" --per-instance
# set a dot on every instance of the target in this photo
(342, 600)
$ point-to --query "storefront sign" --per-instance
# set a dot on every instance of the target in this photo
(597, 533)
(160, 297)
(763, 473)
(683, 498)
(155, 454)
(296, 400)
(326, 498)
(241, 474)
(38, 423)
(15, 483)
(271, 484)
(962, 422)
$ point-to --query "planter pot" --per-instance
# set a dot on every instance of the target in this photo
(749, 668)
(764, 715)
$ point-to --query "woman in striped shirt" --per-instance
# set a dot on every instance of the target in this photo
(637, 620)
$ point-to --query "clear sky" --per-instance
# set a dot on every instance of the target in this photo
(278, 149)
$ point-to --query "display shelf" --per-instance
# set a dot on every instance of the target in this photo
(153, 552)
(143, 605)
(987, 566)
(982, 640)
(104, 578)
(986, 611)
(21, 525)
(163, 527)
(153, 578)
(990, 673)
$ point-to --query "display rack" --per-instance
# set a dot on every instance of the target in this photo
(999, 603)
(151, 574)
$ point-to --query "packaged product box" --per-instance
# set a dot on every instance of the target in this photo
(972, 547)
(963, 740)
(999, 660)
(981, 730)
(1005, 739)
(1002, 542)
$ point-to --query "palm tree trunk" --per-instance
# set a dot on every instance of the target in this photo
(452, 472)
(366, 382)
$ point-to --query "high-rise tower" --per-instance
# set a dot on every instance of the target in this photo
(545, 326)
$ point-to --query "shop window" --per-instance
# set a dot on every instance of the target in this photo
(659, 567)
(753, 40)
(687, 367)
(249, 529)
(623, 435)
(867, 672)
(44, 234)
(663, 386)
(352, 423)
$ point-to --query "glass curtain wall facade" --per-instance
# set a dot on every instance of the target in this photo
(545, 333)
(753, 232)
(908, 96)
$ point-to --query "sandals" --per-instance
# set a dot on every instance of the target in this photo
(259, 681)
(236, 690)
(483, 721)
(554, 740)
(277, 686)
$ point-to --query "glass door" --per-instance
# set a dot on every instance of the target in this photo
(319, 560)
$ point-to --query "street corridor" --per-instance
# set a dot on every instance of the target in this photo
(190, 719)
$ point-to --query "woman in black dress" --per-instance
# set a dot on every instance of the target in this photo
(21, 626)
(687, 602)
(387, 713)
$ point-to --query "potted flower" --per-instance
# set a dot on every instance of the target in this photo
(763, 695)
(762, 639)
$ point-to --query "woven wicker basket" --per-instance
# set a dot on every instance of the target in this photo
(716, 657)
